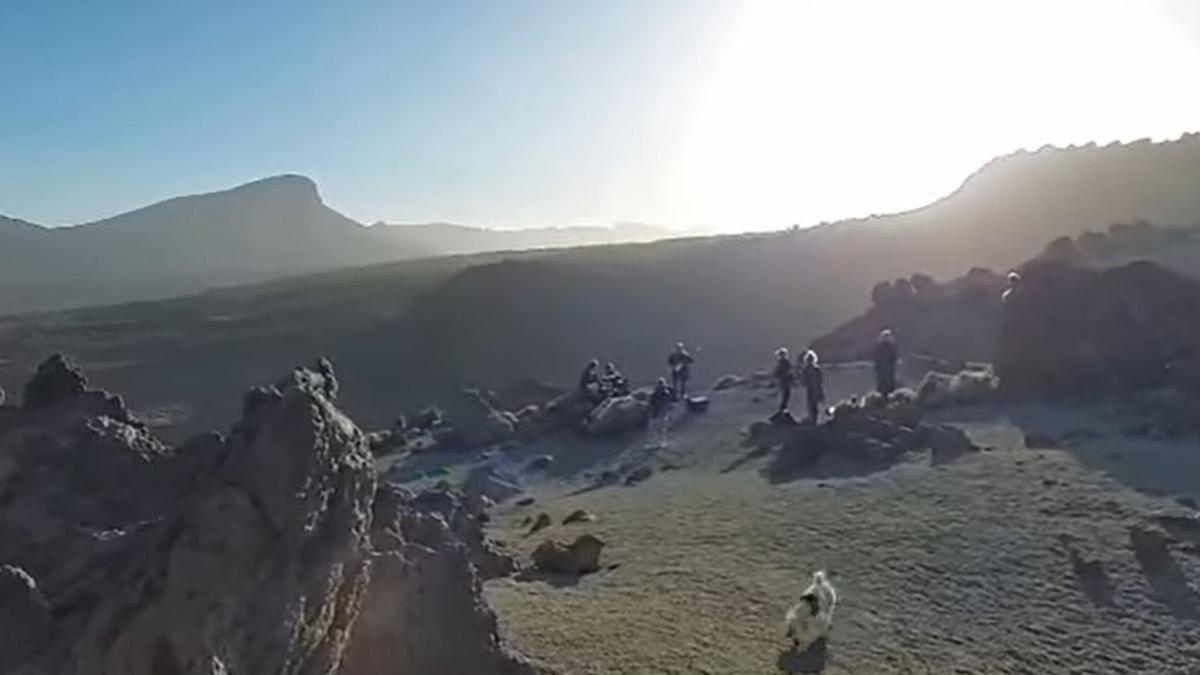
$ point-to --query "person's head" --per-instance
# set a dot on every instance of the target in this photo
(679, 347)
(886, 335)
(1014, 278)
(810, 358)
(610, 367)
(662, 383)
(782, 353)
(593, 364)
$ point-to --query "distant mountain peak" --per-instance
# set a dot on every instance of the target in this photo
(287, 185)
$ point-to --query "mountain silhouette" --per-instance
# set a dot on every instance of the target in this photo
(271, 228)
(440, 323)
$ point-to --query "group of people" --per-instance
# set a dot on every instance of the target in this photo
(808, 372)
(600, 385)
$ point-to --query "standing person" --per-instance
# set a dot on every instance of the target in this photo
(660, 406)
(1014, 282)
(785, 375)
(885, 357)
(814, 384)
(680, 363)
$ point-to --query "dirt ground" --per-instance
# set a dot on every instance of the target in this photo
(1012, 560)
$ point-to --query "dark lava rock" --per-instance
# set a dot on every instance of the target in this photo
(638, 475)
(578, 516)
(580, 557)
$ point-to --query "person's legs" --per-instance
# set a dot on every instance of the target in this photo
(785, 397)
(813, 408)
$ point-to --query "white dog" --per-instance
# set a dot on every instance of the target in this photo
(811, 618)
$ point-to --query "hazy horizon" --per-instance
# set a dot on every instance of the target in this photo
(693, 115)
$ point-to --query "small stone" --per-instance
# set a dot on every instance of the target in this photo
(1038, 441)
(578, 516)
(638, 475)
(543, 521)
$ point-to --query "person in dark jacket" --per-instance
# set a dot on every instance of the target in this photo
(680, 363)
(614, 383)
(814, 384)
(885, 357)
(785, 376)
(589, 379)
(661, 398)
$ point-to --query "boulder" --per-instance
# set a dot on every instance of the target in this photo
(539, 463)
(424, 610)
(1035, 441)
(1074, 330)
(638, 475)
(947, 443)
(580, 557)
(428, 418)
(55, 381)
(278, 521)
(25, 620)
(568, 411)
(578, 516)
(728, 382)
(1171, 412)
(241, 554)
(617, 415)
(540, 523)
(477, 422)
(968, 387)
(493, 483)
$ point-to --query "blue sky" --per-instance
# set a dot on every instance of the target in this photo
(522, 112)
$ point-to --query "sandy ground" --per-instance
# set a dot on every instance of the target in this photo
(959, 568)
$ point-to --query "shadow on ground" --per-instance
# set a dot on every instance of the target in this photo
(811, 660)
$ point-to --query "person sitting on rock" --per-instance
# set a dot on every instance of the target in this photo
(885, 357)
(785, 376)
(680, 363)
(613, 382)
(589, 380)
(814, 384)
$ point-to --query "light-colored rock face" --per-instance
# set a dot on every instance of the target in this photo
(424, 612)
(248, 555)
(617, 415)
(261, 569)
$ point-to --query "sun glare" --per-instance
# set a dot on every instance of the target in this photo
(821, 110)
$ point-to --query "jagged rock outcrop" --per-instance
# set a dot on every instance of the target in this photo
(251, 554)
(618, 414)
(1072, 330)
(968, 387)
(477, 421)
(257, 567)
(26, 624)
(955, 321)
(858, 439)
(423, 612)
